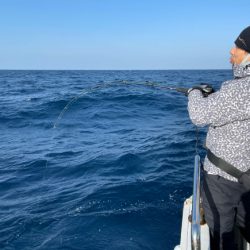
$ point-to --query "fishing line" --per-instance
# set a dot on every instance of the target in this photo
(117, 83)
(112, 84)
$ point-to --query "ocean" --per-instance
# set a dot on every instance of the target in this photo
(111, 172)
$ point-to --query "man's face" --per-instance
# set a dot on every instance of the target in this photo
(237, 55)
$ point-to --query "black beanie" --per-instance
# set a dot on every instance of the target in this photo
(243, 40)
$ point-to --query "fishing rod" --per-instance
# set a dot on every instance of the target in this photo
(180, 90)
(207, 90)
(157, 85)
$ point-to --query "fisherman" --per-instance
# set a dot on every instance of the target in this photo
(225, 200)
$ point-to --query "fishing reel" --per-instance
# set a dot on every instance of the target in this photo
(205, 89)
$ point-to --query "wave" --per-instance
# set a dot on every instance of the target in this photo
(114, 174)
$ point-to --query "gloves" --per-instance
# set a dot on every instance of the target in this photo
(205, 89)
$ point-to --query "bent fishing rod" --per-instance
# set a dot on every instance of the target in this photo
(122, 82)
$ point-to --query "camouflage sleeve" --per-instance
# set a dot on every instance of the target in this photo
(231, 103)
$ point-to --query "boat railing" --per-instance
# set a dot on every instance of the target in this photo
(195, 226)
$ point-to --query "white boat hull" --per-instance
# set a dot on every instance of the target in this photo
(185, 243)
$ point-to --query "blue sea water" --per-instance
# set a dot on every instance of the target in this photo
(114, 171)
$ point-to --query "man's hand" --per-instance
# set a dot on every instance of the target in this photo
(205, 89)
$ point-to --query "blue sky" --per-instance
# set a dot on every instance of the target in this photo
(116, 34)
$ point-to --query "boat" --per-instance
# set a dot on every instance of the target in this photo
(194, 229)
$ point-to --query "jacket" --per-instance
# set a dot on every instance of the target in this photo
(227, 114)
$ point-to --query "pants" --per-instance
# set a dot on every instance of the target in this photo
(226, 204)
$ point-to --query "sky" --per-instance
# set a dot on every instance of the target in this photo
(119, 34)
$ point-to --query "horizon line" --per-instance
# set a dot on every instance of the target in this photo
(104, 69)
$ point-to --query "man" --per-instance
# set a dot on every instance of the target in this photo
(226, 201)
